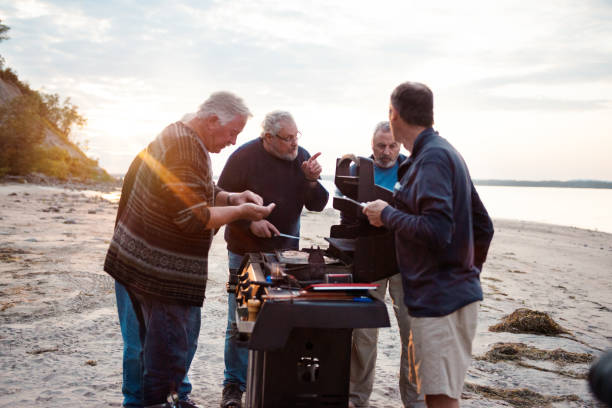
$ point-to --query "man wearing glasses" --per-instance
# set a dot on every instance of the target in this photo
(277, 169)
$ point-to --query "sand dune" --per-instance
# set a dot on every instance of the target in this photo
(60, 343)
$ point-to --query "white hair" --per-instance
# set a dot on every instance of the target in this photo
(272, 122)
(224, 105)
(382, 127)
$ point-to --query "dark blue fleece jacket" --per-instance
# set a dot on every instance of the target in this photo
(442, 229)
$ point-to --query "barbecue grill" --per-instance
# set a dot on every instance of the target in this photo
(369, 250)
(298, 308)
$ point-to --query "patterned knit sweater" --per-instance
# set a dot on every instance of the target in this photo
(160, 244)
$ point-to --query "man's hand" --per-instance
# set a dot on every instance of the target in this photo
(263, 229)
(311, 168)
(246, 196)
(254, 212)
(373, 209)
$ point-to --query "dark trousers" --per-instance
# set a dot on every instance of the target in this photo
(168, 333)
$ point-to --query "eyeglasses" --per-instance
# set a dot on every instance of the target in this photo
(290, 139)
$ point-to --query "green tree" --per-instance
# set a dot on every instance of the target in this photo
(3, 31)
(3, 36)
(23, 121)
(62, 115)
(21, 132)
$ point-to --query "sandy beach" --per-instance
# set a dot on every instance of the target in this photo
(60, 343)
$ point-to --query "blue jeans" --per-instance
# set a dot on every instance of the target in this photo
(168, 333)
(236, 353)
(132, 350)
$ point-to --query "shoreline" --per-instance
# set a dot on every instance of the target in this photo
(576, 183)
(60, 342)
(46, 181)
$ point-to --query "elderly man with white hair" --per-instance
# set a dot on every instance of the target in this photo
(168, 213)
(276, 168)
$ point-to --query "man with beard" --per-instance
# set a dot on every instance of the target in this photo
(276, 168)
(387, 159)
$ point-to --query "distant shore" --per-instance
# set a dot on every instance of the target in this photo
(529, 183)
(546, 183)
(37, 179)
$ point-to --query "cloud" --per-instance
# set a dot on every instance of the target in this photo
(65, 20)
(543, 104)
(564, 87)
(136, 65)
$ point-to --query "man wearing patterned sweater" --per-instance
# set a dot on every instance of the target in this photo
(160, 245)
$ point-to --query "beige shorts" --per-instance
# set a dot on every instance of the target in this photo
(440, 350)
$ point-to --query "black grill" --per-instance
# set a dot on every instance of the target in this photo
(300, 340)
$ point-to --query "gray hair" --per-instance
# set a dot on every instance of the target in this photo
(224, 105)
(382, 127)
(272, 122)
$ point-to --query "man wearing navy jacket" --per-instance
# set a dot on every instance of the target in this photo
(442, 236)
(387, 160)
(276, 168)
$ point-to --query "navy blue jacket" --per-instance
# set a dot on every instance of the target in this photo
(442, 229)
(276, 180)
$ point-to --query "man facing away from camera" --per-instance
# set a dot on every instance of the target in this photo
(159, 249)
(442, 236)
(280, 171)
(387, 159)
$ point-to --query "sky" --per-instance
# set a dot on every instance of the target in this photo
(523, 89)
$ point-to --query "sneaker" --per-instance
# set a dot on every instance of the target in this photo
(232, 396)
(187, 403)
(173, 402)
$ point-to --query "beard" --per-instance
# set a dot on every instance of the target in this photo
(385, 161)
(289, 156)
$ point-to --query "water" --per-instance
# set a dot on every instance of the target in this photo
(587, 208)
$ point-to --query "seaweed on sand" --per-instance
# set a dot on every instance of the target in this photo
(517, 351)
(519, 397)
(529, 321)
(7, 254)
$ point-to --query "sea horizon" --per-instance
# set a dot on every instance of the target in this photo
(571, 183)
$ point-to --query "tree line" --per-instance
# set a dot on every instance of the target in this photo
(25, 118)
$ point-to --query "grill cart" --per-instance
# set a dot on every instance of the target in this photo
(298, 308)
(300, 333)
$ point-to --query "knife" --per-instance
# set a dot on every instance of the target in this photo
(280, 234)
(362, 205)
